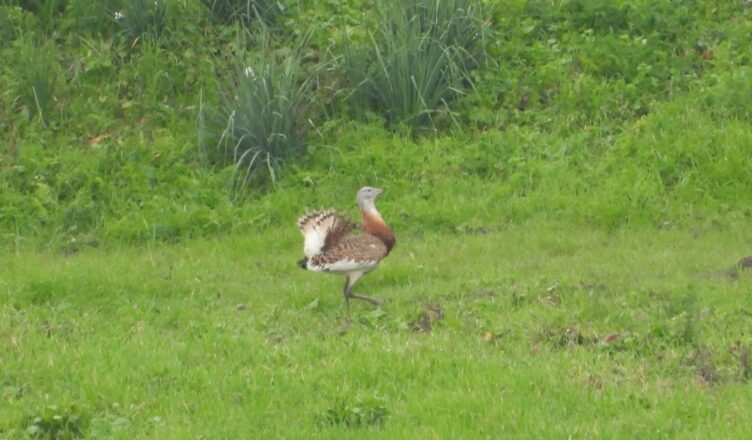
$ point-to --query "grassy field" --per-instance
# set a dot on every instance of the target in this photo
(570, 183)
(535, 331)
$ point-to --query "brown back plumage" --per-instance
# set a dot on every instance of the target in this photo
(339, 230)
(361, 248)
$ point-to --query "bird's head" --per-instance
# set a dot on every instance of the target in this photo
(367, 196)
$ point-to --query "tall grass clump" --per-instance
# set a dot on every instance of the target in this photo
(262, 117)
(37, 79)
(226, 11)
(13, 21)
(46, 11)
(139, 18)
(416, 59)
(96, 16)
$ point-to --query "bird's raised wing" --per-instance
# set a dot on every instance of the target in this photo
(323, 230)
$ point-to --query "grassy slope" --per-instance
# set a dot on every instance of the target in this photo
(629, 118)
(222, 339)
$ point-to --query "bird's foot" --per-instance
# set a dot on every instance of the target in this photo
(370, 299)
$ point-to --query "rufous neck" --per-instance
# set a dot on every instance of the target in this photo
(373, 224)
(369, 210)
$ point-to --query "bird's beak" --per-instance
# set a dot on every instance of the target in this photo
(379, 191)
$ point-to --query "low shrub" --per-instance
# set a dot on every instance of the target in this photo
(246, 11)
(140, 18)
(262, 119)
(416, 60)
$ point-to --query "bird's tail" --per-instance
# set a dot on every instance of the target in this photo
(321, 230)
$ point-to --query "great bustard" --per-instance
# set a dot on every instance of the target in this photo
(328, 248)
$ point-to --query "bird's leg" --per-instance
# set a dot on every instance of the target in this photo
(347, 291)
(352, 278)
(349, 282)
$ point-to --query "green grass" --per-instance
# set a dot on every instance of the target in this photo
(226, 338)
